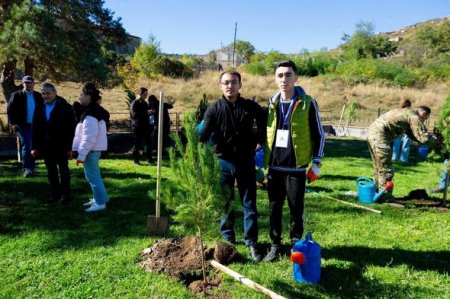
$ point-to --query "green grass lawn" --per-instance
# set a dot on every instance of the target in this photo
(61, 252)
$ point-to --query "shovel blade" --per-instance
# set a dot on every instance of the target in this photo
(157, 225)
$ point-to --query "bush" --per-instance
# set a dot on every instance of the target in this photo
(370, 70)
(311, 65)
(257, 68)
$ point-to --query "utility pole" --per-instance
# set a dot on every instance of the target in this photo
(234, 42)
(220, 56)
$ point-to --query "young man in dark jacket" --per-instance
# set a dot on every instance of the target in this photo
(229, 123)
(53, 131)
(21, 107)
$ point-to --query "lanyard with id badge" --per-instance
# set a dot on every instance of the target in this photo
(283, 133)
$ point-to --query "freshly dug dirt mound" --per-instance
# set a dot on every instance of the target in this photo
(176, 258)
(181, 258)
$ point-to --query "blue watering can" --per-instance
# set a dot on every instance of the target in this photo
(422, 151)
(367, 190)
(305, 257)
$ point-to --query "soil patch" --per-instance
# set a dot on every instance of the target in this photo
(420, 198)
(181, 258)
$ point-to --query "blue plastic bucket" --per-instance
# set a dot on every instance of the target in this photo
(366, 190)
(309, 271)
(422, 151)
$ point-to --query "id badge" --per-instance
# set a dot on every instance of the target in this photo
(282, 138)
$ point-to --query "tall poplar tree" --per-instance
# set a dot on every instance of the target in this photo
(57, 38)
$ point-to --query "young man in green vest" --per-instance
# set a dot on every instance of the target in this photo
(295, 137)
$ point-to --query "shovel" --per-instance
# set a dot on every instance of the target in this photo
(157, 225)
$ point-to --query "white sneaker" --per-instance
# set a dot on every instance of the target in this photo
(95, 207)
(89, 203)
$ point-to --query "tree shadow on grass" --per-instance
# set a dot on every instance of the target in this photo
(349, 281)
(421, 260)
(24, 210)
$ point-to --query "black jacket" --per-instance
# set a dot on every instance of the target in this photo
(154, 105)
(17, 107)
(56, 134)
(139, 114)
(231, 128)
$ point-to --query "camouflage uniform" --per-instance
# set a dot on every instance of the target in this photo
(384, 130)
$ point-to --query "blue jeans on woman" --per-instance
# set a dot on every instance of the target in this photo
(401, 147)
(93, 176)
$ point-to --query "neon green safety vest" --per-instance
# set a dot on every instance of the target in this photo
(300, 130)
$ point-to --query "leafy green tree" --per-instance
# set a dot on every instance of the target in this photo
(244, 48)
(434, 39)
(56, 38)
(257, 57)
(365, 44)
(196, 197)
(148, 60)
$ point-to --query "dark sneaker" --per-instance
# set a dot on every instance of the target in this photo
(256, 257)
(136, 162)
(274, 254)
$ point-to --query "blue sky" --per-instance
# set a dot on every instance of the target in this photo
(196, 27)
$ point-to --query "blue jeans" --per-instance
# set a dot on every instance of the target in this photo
(24, 135)
(443, 175)
(93, 176)
(401, 147)
(244, 174)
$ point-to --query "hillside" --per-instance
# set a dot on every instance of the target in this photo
(408, 31)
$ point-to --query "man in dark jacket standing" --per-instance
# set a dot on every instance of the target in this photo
(229, 123)
(139, 112)
(21, 107)
(53, 131)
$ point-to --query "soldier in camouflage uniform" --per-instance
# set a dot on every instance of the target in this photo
(386, 128)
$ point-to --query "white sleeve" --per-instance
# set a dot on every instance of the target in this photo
(89, 132)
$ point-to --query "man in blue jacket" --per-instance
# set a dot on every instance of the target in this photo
(20, 111)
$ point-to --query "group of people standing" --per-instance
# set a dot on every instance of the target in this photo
(292, 135)
(48, 128)
(144, 121)
(289, 131)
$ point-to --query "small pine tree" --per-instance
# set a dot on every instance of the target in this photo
(443, 123)
(351, 112)
(131, 96)
(197, 197)
(201, 108)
